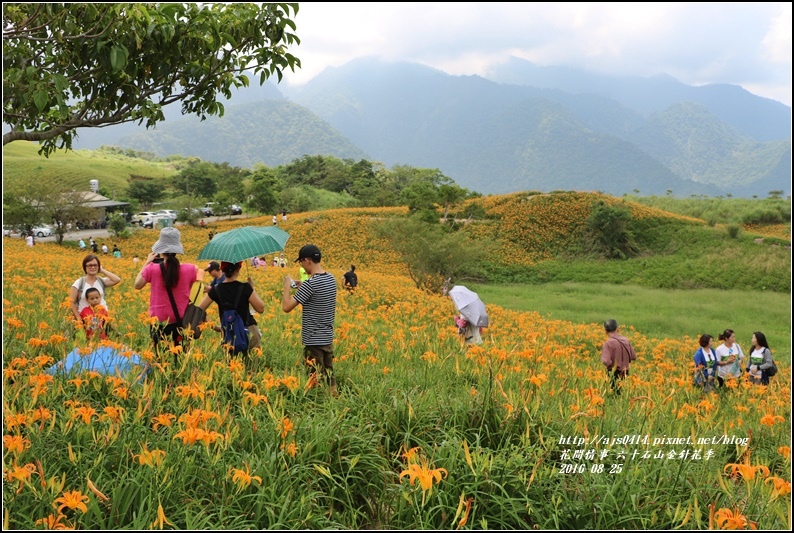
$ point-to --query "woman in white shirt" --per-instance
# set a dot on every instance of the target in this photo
(730, 357)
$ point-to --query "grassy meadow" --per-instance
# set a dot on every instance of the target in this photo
(521, 432)
(21, 161)
(657, 313)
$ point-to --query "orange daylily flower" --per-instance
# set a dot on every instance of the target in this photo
(284, 427)
(424, 474)
(161, 519)
(149, 457)
(165, 419)
(243, 478)
(53, 522)
(781, 486)
(73, 499)
(771, 420)
(15, 443)
(732, 519)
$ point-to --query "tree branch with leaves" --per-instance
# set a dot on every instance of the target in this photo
(71, 66)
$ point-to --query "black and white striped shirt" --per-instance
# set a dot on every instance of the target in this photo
(317, 295)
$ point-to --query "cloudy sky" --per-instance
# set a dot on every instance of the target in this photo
(697, 43)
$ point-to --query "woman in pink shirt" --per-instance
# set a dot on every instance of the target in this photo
(163, 271)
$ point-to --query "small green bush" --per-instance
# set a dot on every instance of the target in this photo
(608, 232)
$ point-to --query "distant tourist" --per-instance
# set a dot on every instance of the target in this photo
(705, 364)
(762, 366)
(81, 244)
(730, 357)
(351, 279)
(116, 251)
(616, 354)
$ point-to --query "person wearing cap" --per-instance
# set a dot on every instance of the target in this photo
(616, 354)
(163, 271)
(317, 296)
(217, 275)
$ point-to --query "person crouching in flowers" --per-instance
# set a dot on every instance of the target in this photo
(705, 364)
(95, 316)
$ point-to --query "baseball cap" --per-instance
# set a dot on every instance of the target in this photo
(310, 251)
(212, 266)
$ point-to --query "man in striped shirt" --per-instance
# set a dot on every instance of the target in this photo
(317, 295)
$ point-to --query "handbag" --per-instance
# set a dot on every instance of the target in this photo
(772, 370)
(194, 315)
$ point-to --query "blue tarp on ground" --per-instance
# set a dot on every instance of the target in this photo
(103, 359)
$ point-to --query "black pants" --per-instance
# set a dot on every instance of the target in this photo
(616, 376)
(165, 333)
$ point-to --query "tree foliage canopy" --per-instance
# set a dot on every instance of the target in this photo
(68, 66)
(431, 254)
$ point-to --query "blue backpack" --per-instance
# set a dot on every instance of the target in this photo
(235, 333)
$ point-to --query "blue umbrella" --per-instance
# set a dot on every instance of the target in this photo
(103, 359)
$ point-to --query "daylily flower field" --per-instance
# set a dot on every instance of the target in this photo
(522, 432)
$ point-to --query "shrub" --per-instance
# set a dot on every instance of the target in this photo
(608, 232)
(733, 230)
(117, 225)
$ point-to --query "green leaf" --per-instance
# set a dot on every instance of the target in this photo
(115, 58)
(61, 83)
(40, 99)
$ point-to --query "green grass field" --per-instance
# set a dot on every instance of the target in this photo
(657, 313)
(22, 162)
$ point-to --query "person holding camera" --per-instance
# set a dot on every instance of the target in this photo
(317, 295)
(164, 272)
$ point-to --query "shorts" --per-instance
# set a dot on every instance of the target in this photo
(323, 358)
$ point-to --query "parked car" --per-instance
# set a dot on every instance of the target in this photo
(41, 231)
(236, 209)
(207, 210)
(168, 213)
(190, 212)
(10, 231)
(139, 218)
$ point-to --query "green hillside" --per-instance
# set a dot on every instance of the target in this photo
(273, 132)
(21, 162)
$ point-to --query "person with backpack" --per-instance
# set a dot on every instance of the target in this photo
(762, 366)
(240, 333)
(92, 267)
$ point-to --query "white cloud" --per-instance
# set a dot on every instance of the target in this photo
(697, 43)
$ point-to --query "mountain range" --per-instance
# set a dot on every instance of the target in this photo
(522, 127)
